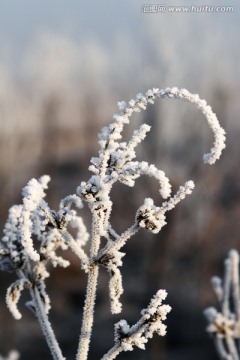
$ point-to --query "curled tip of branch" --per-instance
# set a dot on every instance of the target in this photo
(182, 94)
(13, 296)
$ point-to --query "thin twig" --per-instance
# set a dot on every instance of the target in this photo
(46, 326)
(89, 305)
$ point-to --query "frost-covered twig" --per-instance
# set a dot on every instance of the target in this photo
(32, 220)
(45, 325)
(91, 287)
(224, 325)
(127, 337)
(115, 163)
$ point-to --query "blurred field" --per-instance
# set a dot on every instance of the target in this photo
(53, 103)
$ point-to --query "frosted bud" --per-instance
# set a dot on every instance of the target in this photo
(149, 217)
(210, 314)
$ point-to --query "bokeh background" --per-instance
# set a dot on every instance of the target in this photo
(63, 67)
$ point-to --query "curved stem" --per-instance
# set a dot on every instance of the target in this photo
(46, 326)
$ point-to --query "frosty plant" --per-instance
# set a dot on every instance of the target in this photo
(224, 325)
(33, 233)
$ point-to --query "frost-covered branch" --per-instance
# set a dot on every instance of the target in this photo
(224, 325)
(127, 337)
(34, 221)
(34, 233)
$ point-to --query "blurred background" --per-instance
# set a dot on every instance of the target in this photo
(63, 67)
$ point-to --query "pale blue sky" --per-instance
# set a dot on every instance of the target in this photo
(21, 20)
(188, 37)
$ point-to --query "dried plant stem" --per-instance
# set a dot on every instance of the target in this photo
(88, 311)
(35, 221)
(113, 352)
(220, 347)
(226, 323)
(88, 314)
(232, 347)
(46, 326)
